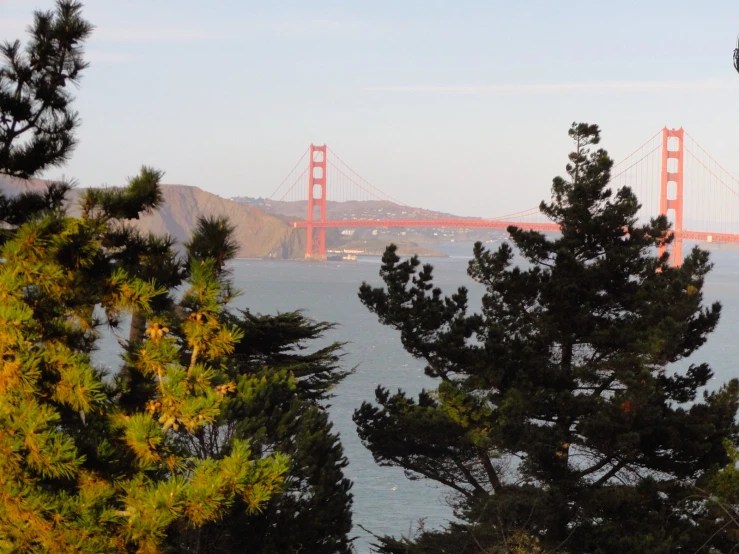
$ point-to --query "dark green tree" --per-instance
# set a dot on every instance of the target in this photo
(37, 122)
(313, 514)
(559, 423)
(213, 238)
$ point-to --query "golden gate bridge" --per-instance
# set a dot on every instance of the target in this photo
(671, 174)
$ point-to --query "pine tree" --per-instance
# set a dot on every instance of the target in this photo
(81, 471)
(558, 420)
(37, 124)
(286, 415)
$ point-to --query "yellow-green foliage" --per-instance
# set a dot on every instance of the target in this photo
(54, 271)
(84, 465)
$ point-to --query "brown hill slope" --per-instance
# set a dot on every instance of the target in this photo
(259, 234)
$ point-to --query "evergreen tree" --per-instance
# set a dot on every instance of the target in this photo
(81, 471)
(558, 422)
(148, 257)
(37, 124)
(313, 514)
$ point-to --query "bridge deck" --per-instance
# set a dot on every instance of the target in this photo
(438, 223)
(484, 224)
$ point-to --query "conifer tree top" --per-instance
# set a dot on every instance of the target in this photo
(558, 416)
(37, 122)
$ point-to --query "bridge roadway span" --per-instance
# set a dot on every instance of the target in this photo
(483, 224)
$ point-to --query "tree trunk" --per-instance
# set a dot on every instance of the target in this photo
(138, 326)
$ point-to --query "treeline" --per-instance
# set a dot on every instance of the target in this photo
(558, 424)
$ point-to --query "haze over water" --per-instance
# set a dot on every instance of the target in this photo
(385, 501)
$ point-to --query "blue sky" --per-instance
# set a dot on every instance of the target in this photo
(456, 105)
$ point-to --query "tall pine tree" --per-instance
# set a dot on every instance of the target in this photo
(80, 471)
(38, 123)
(559, 423)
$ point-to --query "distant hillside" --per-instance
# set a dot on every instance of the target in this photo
(260, 235)
(366, 209)
(376, 209)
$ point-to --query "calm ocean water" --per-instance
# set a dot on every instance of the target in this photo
(384, 500)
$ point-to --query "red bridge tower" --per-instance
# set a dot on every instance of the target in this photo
(671, 188)
(316, 237)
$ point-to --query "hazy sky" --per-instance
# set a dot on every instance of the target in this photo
(456, 105)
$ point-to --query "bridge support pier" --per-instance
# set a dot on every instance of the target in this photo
(315, 248)
(671, 188)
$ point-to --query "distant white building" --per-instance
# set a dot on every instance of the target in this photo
(348, 232)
